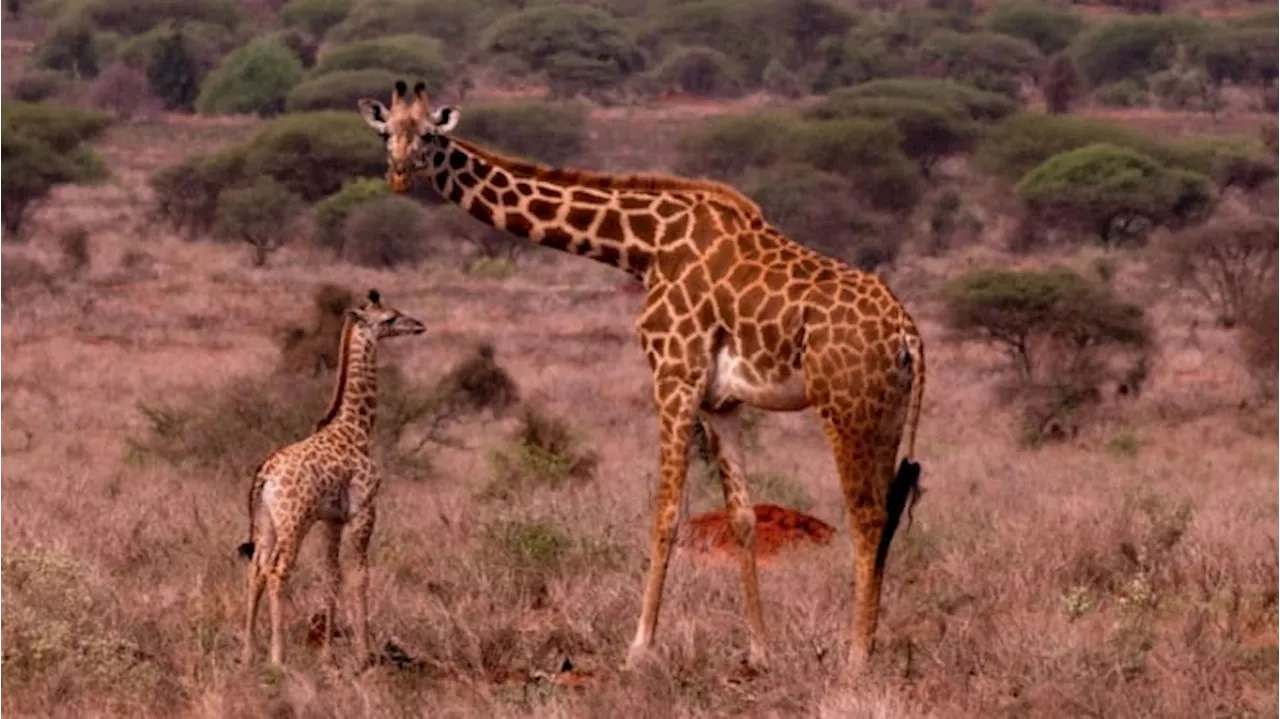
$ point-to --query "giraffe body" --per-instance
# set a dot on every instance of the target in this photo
(328, 478)
(734, 313)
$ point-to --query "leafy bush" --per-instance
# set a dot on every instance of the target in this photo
(821, 210)
(543, 452)
(186, 193)
(339, 90)
(1184, 89)
(1245, 56)
(122, 90)
(261, 214)
(1058, 329)
(386, 232)
(950, 224)
(977, 104)
(314, 153)
(550, 132)
(134, 17)
(1132, 48)
(316, 16)
(1049, 28)
(44, 145)
(421, 58)
(1061, 82)
(986, 60)
(1121, 93)
(727, 146)
(36, 85)
(1231, 263)
(580, 48)
(929, 132)
(698, 71)
(451, 21)
(253, 79)
(1114, 192)
(73, 46)
(478, 383)
(172, 71)
(331, 212)
(866, 152)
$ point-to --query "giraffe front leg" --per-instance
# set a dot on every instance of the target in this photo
(677, 401)
(722, 429)
(361, 530)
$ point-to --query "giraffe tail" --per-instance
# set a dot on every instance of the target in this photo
(255, 493)
(905, 490)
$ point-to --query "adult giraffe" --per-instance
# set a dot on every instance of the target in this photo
(735, 312)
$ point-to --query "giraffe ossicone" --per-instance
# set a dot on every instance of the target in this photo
(329, 477)
(735, 313)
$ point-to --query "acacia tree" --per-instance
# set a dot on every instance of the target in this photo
(1231, 263)
(262, 214)
(43, 146)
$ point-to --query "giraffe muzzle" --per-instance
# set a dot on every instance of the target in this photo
(398, 182)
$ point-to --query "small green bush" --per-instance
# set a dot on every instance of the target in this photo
(581, 48)
(261, 214)
(45, 145)
(388, 231)
(73, 46)
(420, 58)
(316, 16)
(314, 153)
(866, 152)
(727, 146)
(253, 79)
(986, 60)
(543, 452)
(173, 73)
(453, 22)
(1121, 93)
(1184, 89)
(1113, 192)
(550, 132)
(339, 90)
(37, 85)
(186, 193)
(698, 71)
(134, 17)
(1132, 48)
(929, 132)
(978, 104)
(1245, 56)
(331, 212)
(1049, 28)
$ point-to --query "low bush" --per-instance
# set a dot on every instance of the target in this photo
(1184, 89)
(549, 132)
(1244, 56)
(339, 90)
(386, 232)
(543, 452)
(45, 145)
(698, 71)
(37, 85)
(255, 79)
(1061, 83)
(478, 383)
(331, 213)
(73, 46)
(1115, 193)
(1121, 93)
(1049, 28)
(186, 194)
(411, 56)
(316, 16)
(1132, 48)
(989, 61)
(866, 152)
(1231, 263)
(978, 104)
(727, 146)
(314, 153)
(123, 91)
(134, 17)
(262, 214)
(929, 132)
(453, 22)
(173, 71)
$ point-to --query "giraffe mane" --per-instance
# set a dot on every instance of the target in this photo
(340, 385)
(639, 181)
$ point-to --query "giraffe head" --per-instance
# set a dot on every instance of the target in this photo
(407, 127)
(383, 321)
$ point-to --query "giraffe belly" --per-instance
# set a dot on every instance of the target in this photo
(781, 390)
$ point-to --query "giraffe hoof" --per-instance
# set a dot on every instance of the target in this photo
(757, 660)
(637, 657)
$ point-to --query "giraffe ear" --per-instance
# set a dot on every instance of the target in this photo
(420, 91)
(445, 119)
(374, 113)
(375, 297)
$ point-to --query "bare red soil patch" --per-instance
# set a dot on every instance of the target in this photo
(777, 528)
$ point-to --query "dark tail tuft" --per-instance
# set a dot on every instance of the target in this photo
(246, 550)
(904, 492)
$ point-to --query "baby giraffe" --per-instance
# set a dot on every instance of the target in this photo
(328, 477)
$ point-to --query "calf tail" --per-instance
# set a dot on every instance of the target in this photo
(255, 494)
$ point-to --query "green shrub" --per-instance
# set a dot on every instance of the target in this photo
(253, 79)
(1049, 28)
(386, 232)
(866, 152)
(1061, 83)
(580, 48)
(134, 17)
(316, 16)
(727, 146)
(420, 58)
(332, 212)
(262, 214)
(698, 71)
(122, 90)
(73, 46)
(451, 21)
(173, 73)
(45, 145)
(314, 153)
(1132, 48)
(339, 90)
(1184, 89)
(37, 85)
(986, 60)
(550, 132)
(821, 210)
(1114, 192)
(929, 132)
(1229, 162)
(1231, 263)
(978, 104)
(543, 452)
(1245, 56)
(1121, 93)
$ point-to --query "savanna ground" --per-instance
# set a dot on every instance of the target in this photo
(1129, 572)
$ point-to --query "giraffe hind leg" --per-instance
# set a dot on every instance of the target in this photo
(257, 581)
(722, 430)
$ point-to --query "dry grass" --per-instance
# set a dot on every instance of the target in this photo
(1131, 572)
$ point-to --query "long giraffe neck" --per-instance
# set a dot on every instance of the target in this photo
(620, 220)
(355, 391)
